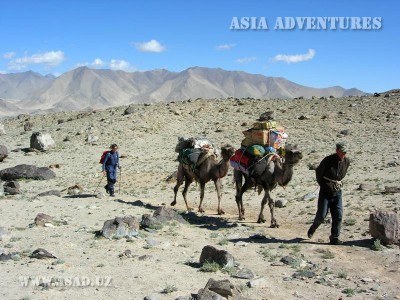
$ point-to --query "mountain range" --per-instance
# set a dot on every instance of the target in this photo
(84, 88)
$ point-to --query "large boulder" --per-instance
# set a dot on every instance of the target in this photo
(219, 289)
(26, 172)
(3, 152)
(127, 226)
(211, 254)
(42, 141)
(385, 227)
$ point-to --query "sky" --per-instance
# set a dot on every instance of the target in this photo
(353, 44)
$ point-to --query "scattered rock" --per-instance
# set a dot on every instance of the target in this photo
(2, 130)
(41, 253)
(162, 215)
(3, 152)
(26, 172)
(385, 227)
(259, 282)
(42, 141)
(127, 226)
(4, 234)
(221, 289)
(41, 219)
(129, 110)
(92, 139)
(11, 188)
(221, 257)
(303, 117)
(366, 187)
(392, 189)
(280, 203)
(311, 196)
(244, 274)
(28, 126)
(8, 256)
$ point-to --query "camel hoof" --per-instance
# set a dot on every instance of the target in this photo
(242, 218)
(201, 210)
(260, 220)
(189, 208)
(173, 203)
(221, 212)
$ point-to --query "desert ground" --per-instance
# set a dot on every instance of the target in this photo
(164, 263)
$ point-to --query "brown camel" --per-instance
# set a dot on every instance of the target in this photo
(210, 169)
(275, 173)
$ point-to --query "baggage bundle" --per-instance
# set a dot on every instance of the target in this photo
(264, 141)
(193, 150)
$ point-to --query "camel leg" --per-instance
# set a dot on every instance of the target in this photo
(188, 181)
(239, 198)
(237, 175)
(202, 187)
(264, 200)
(271, 204)
(217, 183)
(179, 181)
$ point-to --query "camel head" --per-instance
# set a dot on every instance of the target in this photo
(293, 155)
(227, 151)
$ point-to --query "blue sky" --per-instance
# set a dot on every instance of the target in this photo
(58, 36)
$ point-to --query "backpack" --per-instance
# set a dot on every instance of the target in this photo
(103, 156)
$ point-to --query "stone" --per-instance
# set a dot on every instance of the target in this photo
(26, 172)
(2, 129)
(28, 126)
(385, 227)
(208, 295)
(127, 226)
(92, 139)
(4, 234)
(42, 141)
(258, 282)
(129, 110)
(11, 188)
(280, 203)
(161, 216)
(211, 254)
(392, 189)
(42, 219)
(244, 274)
(41, 253)
(75, 190)
(311, 196)
(3, 152)
(366, 187)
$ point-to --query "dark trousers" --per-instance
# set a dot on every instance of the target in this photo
(334, 205)
(111, 180)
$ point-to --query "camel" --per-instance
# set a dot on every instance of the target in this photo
(275, 173)
(210, 169)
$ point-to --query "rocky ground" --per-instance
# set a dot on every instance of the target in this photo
(162, 263)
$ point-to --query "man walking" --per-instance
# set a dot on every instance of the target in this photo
(329, 173)
(109, 167)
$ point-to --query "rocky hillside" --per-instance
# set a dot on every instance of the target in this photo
(162, 261)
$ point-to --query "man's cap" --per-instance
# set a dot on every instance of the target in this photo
(342, 146)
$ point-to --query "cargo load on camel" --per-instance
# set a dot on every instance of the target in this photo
(194, 151)
(264, 142)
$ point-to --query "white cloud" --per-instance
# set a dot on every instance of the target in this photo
(97, 63)
(295, 58)
(150, 46)
(116, 64)
(226, 46)
(246, 60)
(9, 55)
(49, 59)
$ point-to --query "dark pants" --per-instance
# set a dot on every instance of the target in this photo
(334, 205)
(111, 179)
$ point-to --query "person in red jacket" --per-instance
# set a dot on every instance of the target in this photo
(329, 174)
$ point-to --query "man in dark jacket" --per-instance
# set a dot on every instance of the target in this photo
(109, 167)
(329, 173)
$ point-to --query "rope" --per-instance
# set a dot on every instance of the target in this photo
(337, 184)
